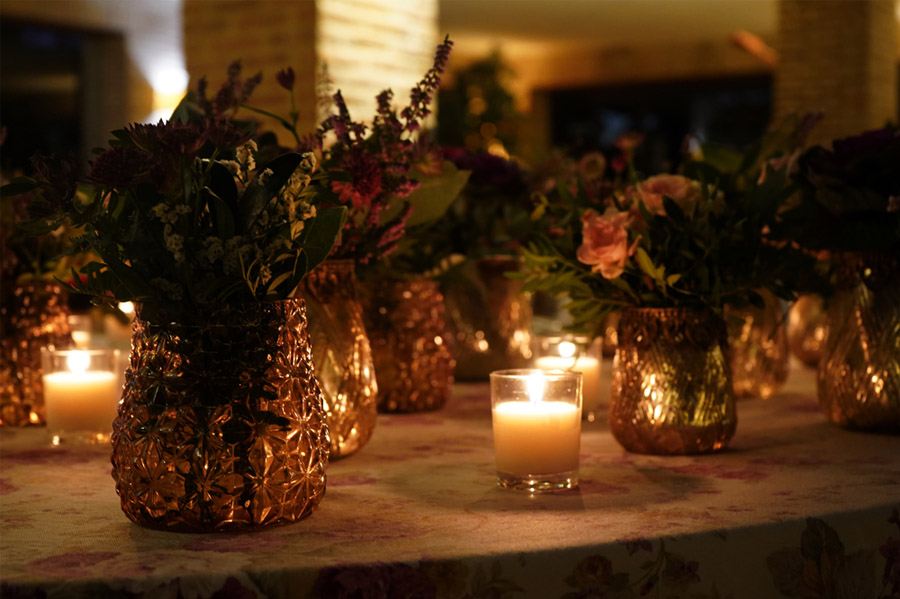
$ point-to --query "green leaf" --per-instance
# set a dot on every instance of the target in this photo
(646, 264)
(18, 186)
(433, 196)
(320, 233)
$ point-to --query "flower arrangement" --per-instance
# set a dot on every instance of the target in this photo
(669, 240)
(849, 196)
(387, 175)
(35, 257)
(182, 218)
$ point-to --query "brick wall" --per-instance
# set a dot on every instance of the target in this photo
(839, 57)
(266, 35)
(367, 45)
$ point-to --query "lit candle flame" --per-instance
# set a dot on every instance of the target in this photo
(126, 308)
(535, 386)
(566, 349)
(78, 361)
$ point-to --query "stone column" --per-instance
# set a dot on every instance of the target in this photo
(838, 57)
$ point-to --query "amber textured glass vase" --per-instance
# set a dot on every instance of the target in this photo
(671, 388)
(807, 329)
(407, 325)
(859, 373)
(34, 316)
(757, 340)
(490, 318)
(342, 356)
(221, 424)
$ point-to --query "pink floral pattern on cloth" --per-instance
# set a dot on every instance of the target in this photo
(795, 508)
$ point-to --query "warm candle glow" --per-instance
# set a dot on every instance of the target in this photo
(566, 349)
(535, 386)
(78, 361)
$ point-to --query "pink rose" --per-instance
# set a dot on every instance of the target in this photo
(605, 242)
(681, 190)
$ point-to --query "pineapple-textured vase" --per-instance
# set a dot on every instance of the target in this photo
(34, 316)
(671, 387)
(408, 329)
(859, 372)
(221, 425)
(342, 355)
(758, 347)
(807, 329)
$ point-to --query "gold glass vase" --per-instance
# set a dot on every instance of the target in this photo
(342, 355)
(859, 373)
(408, 328)
(34, 315)
(490, 318)
(221, 424)
(807, 329)
(671, 387)
(757, 342)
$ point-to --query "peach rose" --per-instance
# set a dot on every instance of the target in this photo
(681, 190)
(605, 242)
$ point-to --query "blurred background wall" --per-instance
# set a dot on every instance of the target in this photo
(527, 75)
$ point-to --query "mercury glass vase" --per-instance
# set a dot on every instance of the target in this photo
(490, 318)
(407, 325)
(859, 373)
(342, 355)
(34, 315)
(671, 386)
(807, 329)
(758, 346)
(221, 424)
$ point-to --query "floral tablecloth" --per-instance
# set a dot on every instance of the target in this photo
(795, 508)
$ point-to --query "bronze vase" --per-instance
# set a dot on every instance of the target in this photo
(35, 315)
(221, 424)
(408, 329)
(671, 389)
(342, 355)
(758, 347)
(490, 318)
(859, 372)
(807, 329)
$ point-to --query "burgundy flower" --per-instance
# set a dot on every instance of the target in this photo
(285, 78)
(119, 167)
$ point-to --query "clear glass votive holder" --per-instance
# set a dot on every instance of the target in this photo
(81, 393)
(578, 354)
(537, 428)
(81, 326)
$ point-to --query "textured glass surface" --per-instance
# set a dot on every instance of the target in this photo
(859, 374)
(36, 317)
(757, 340)
(221, 426)
(342, 355)
(407, 325)
(671, 388)
(807, 329)
(490, 319)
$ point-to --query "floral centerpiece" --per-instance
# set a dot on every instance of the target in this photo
(393, 182)
(848, 212)
(33, 305)
(670, 252)
(220, 423)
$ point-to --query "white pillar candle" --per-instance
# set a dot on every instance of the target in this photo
(80, 399)
(588, 366)
(538, 436)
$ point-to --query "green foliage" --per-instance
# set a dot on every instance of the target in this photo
(682, 243)
(183, 221)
